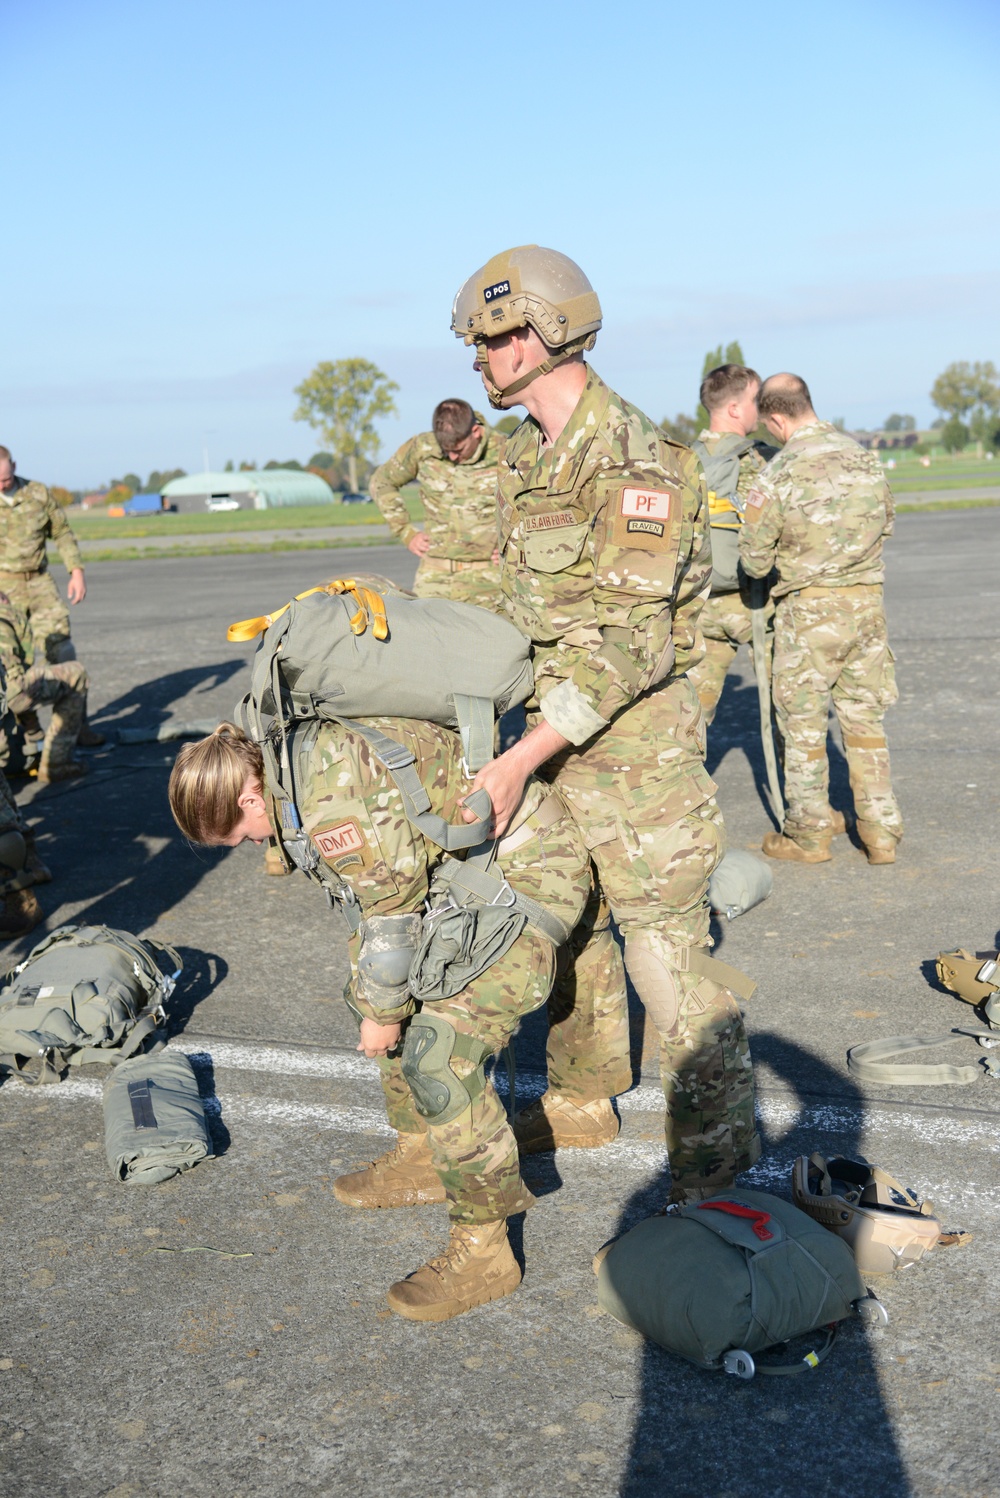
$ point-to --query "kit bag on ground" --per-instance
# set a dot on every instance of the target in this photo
(740, 882)
(721, 1281)
(85, 993)
(154, 1119)
(343, 652)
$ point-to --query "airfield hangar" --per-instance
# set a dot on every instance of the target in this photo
(263, 489)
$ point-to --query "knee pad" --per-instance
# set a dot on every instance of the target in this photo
(439, 1094)
(13, 849)
(655, 977)
(388, 945)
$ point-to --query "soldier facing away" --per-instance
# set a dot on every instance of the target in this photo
(819, 512)
(605, 564)
(454, 1141)
(29, 517)
(729, 395)
(455, 466)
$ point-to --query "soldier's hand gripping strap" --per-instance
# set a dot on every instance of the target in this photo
(439, 1094)
(388, 945)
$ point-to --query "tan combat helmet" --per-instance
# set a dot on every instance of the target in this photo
(528, 286)
(883, 1224)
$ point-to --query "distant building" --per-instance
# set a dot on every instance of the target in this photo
(94, 501)
(255, 489)
(886, 441)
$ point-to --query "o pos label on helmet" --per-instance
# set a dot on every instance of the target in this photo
(501, 288)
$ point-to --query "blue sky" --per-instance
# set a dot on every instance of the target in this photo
(205, 199)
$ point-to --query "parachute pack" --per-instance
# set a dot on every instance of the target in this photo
(720, 464)
(85, 993)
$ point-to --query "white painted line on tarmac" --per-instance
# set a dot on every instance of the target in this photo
(238, 1056)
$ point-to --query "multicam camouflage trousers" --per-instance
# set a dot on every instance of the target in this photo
(832, 643)
(38, 597)
(467, 584)
(726, 623)
(11, 820)
(64, 686)
(475, 1154)
(646, 808)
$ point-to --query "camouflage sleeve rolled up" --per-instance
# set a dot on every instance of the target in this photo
(62, 535)
(387, 480)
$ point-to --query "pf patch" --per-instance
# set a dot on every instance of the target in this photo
(645, 519)
(344, 846)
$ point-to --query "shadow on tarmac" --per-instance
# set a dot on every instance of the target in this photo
(148, 703)
(780, 1436)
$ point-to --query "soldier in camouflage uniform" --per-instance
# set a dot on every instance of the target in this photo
(605, 566)
(62, 686)
(819, 512)
(455, 466)
(20, 867)
(454, 1143)
(29, 517)
(729, 395)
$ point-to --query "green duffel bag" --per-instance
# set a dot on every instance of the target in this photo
(85, 993)
(154, 1119)
(725, 1279)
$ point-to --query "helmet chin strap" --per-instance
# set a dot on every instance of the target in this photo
(494, 394)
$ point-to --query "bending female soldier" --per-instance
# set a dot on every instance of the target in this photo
(485, 956)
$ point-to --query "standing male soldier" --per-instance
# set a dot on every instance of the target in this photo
(29, 516)
(819, 512)
(729, 395)
(604, 565)
(456, 468)
(62, 686)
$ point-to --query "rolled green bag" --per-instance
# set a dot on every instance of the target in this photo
(154, 1119)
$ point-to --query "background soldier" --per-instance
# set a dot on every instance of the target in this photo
(729, 395)
(605, 563)
(20, 867)
(62, 686)
(455, 466)
(29, 517)
(819, 512)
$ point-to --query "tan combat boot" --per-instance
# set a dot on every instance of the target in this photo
(476, 1267)
(555, 1122)
(838, 823)
(777, 845)
(404, 1177)
(879, 845)
(21, 913)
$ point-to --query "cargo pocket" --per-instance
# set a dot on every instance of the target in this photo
(555, 550)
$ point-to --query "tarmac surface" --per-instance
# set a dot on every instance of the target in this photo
(132, 1366)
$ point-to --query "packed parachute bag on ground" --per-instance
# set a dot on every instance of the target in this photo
(740, 882)
(85, 993)
(721, 1281)
(885, 1225)
(343, 651)
(154, 1119)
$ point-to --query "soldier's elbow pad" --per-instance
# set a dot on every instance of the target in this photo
(388, 945)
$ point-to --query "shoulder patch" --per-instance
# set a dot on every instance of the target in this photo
(645, 519)
(344, 846)
(756, 498)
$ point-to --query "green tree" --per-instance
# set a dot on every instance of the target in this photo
(681, 428)
(732, 353)
(897, 423)
(507, 424)
(969, 393)
(954, 435)
(342, 399)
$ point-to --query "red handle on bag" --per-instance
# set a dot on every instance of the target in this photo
(736, 1209)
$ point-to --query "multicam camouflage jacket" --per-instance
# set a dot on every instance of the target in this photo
(819, 512)
(29, 516)
(353, 812)
(605, 558)
(459, 499)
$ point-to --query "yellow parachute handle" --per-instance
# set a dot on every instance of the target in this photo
(371, 608)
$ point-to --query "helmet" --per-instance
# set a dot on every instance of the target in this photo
(882, 1223)
(527, 287)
